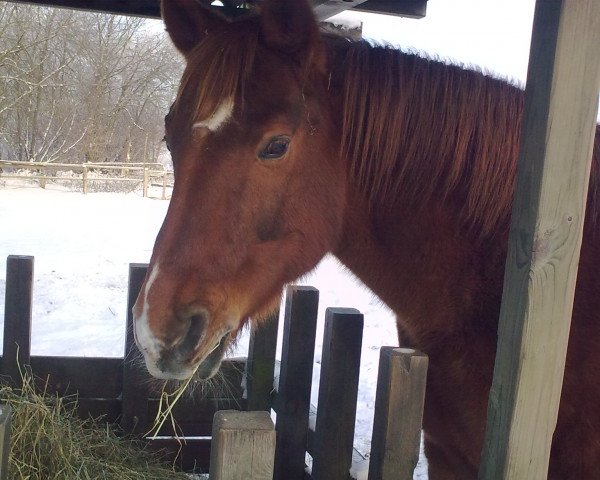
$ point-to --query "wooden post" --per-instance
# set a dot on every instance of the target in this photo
(145, 182)
(243, 446)
(5, 417)
(134, 415)
(338, 391)
(398, 414)
(295, 381)
(85, 179)
(164, 185)
(261, 364)
(17, 315)
(43, 175)
(543, 253)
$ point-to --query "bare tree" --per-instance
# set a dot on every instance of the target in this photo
(81, 86)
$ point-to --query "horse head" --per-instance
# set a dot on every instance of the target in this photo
(259, 190)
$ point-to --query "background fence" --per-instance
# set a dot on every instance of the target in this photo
(121, 388)
(128, 175)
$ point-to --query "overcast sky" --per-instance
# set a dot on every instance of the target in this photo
(493, 34)
(490, 33)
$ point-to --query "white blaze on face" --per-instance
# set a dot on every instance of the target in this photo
(147, 342)
(219, 118)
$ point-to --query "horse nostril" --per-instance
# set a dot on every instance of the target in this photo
(192, 337)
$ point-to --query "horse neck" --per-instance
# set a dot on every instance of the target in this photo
(432, 242)
(413, 250)
(418, 262)
(418, 128)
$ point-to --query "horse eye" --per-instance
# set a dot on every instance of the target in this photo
(276, 148)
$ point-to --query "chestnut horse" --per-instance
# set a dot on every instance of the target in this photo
(288, 144)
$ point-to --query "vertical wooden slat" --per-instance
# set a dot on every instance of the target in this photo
(146, 177)
(338, 390)
(547, 224)
(5, 417)
(398, 414)
(17, 315)
(261, 363)
(243, 446)
(84, 178)
(134, 417)
(295, 379)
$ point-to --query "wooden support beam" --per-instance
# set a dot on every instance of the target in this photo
(323, 8)
(543, 253)
(409, 8)
(243, 446)
(398, 413)
(138, 8)
(328, 8)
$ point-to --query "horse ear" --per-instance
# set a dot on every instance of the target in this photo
(189, 21)
(290, 26)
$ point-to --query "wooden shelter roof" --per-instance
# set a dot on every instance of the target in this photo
(323, 8)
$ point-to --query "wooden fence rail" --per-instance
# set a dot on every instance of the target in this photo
(121, 390)
(148, 174)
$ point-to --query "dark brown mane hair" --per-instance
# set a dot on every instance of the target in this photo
(422, 128)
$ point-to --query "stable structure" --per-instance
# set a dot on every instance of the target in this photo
(323, 8)
(561, 99)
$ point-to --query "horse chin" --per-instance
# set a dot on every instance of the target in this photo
(170, 367)
(211, 364)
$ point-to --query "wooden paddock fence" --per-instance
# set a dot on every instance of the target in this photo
(146, 174)
(122, 391)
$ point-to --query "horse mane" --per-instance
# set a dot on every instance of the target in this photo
(419, 128)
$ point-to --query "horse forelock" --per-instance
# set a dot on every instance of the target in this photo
(217, 70)
(414, 128)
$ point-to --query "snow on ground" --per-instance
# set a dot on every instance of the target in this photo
(82, 246)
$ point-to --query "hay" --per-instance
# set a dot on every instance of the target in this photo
(50, 442)
(166, 405)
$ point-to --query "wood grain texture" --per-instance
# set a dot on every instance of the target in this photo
(243, 446)
(546, 231)
(398, 414)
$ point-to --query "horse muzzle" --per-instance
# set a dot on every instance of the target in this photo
(197, 351)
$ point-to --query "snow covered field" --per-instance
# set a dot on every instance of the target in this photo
(82, 246)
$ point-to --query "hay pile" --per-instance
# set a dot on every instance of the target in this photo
(49, 442)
